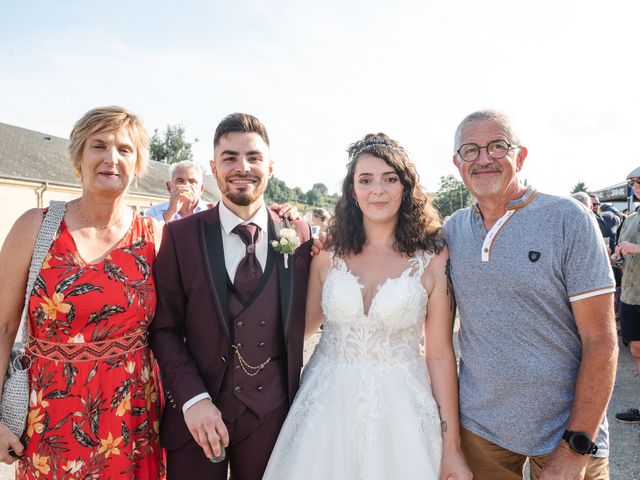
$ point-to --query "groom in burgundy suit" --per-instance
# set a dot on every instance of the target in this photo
(229, 326)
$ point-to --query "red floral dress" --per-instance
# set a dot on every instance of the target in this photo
(97, 416)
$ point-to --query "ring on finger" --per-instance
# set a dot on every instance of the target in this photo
(220, 457)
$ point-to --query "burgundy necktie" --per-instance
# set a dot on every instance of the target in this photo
(249, 271)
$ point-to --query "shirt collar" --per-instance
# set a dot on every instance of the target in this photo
(523, 201)
(230, 220)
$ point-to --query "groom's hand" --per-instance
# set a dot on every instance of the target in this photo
(205, 424)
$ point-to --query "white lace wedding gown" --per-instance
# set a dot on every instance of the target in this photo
(365, 408)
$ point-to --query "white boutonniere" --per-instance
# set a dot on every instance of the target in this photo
(287, 244)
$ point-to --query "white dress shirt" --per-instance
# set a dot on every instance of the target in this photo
(234, 251)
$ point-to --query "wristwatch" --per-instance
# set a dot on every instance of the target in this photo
(579, 442)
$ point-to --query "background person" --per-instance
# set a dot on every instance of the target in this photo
(608, 226)
(319, 219)
(606, 214)
(583, 198)
(629, 248)
(185, 188)
(94, 407)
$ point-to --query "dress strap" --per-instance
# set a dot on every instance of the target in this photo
(418, 263)
(337, 263)
(147, 228)
(143, 230)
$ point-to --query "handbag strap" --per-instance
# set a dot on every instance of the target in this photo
(47, 233)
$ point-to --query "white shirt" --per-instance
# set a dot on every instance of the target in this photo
(235, 250)
(157, 211)
(233, 246)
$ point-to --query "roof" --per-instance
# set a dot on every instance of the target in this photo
(35, 156)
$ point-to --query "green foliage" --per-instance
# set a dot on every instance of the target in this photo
(315, 196)
(318, 196)
(171, 147)
(579, 187)
(297, 195)
(278, 192)
(452, 195)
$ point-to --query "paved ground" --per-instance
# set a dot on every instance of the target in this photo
(625, 438)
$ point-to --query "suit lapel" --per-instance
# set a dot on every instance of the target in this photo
(213, 255)
(285, 276)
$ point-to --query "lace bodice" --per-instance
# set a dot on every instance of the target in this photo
(389, 332)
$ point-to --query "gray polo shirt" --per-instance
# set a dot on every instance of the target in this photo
(519, 344)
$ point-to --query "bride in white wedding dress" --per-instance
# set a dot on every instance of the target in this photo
(369, 406)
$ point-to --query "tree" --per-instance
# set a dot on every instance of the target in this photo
(579, 187)
(297, 195)
(172, 147)
(452, 195)
(278, 192)
(321, 188)
(317, 195)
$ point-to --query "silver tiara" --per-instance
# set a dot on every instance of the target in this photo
(376, 144)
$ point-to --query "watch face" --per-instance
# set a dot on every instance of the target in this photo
(580, 443)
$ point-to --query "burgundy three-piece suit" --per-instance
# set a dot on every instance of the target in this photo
(198, 319)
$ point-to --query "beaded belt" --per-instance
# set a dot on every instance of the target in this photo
(89, 351)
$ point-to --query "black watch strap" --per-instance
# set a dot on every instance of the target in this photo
(579, 442)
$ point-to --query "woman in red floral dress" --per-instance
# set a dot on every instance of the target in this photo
(95, 396)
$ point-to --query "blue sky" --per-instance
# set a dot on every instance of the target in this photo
(322, 74)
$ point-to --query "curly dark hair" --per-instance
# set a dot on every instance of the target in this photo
(419, 225)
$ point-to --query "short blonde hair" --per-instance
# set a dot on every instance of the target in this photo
(110, 119)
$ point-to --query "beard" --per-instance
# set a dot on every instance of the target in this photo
(486, 185)
(243, 198)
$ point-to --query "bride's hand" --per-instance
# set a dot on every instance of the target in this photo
(454, 466)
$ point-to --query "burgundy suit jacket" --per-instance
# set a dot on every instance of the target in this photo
(190, 334)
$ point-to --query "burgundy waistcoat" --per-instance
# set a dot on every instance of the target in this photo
(257, 332)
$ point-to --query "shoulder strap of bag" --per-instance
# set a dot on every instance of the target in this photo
(47, 232)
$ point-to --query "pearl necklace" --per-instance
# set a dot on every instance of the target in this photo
(98, 227)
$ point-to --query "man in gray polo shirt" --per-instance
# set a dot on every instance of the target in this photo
(535, 294)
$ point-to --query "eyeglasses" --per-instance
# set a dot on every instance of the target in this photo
(631, 181)
(496, 149)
